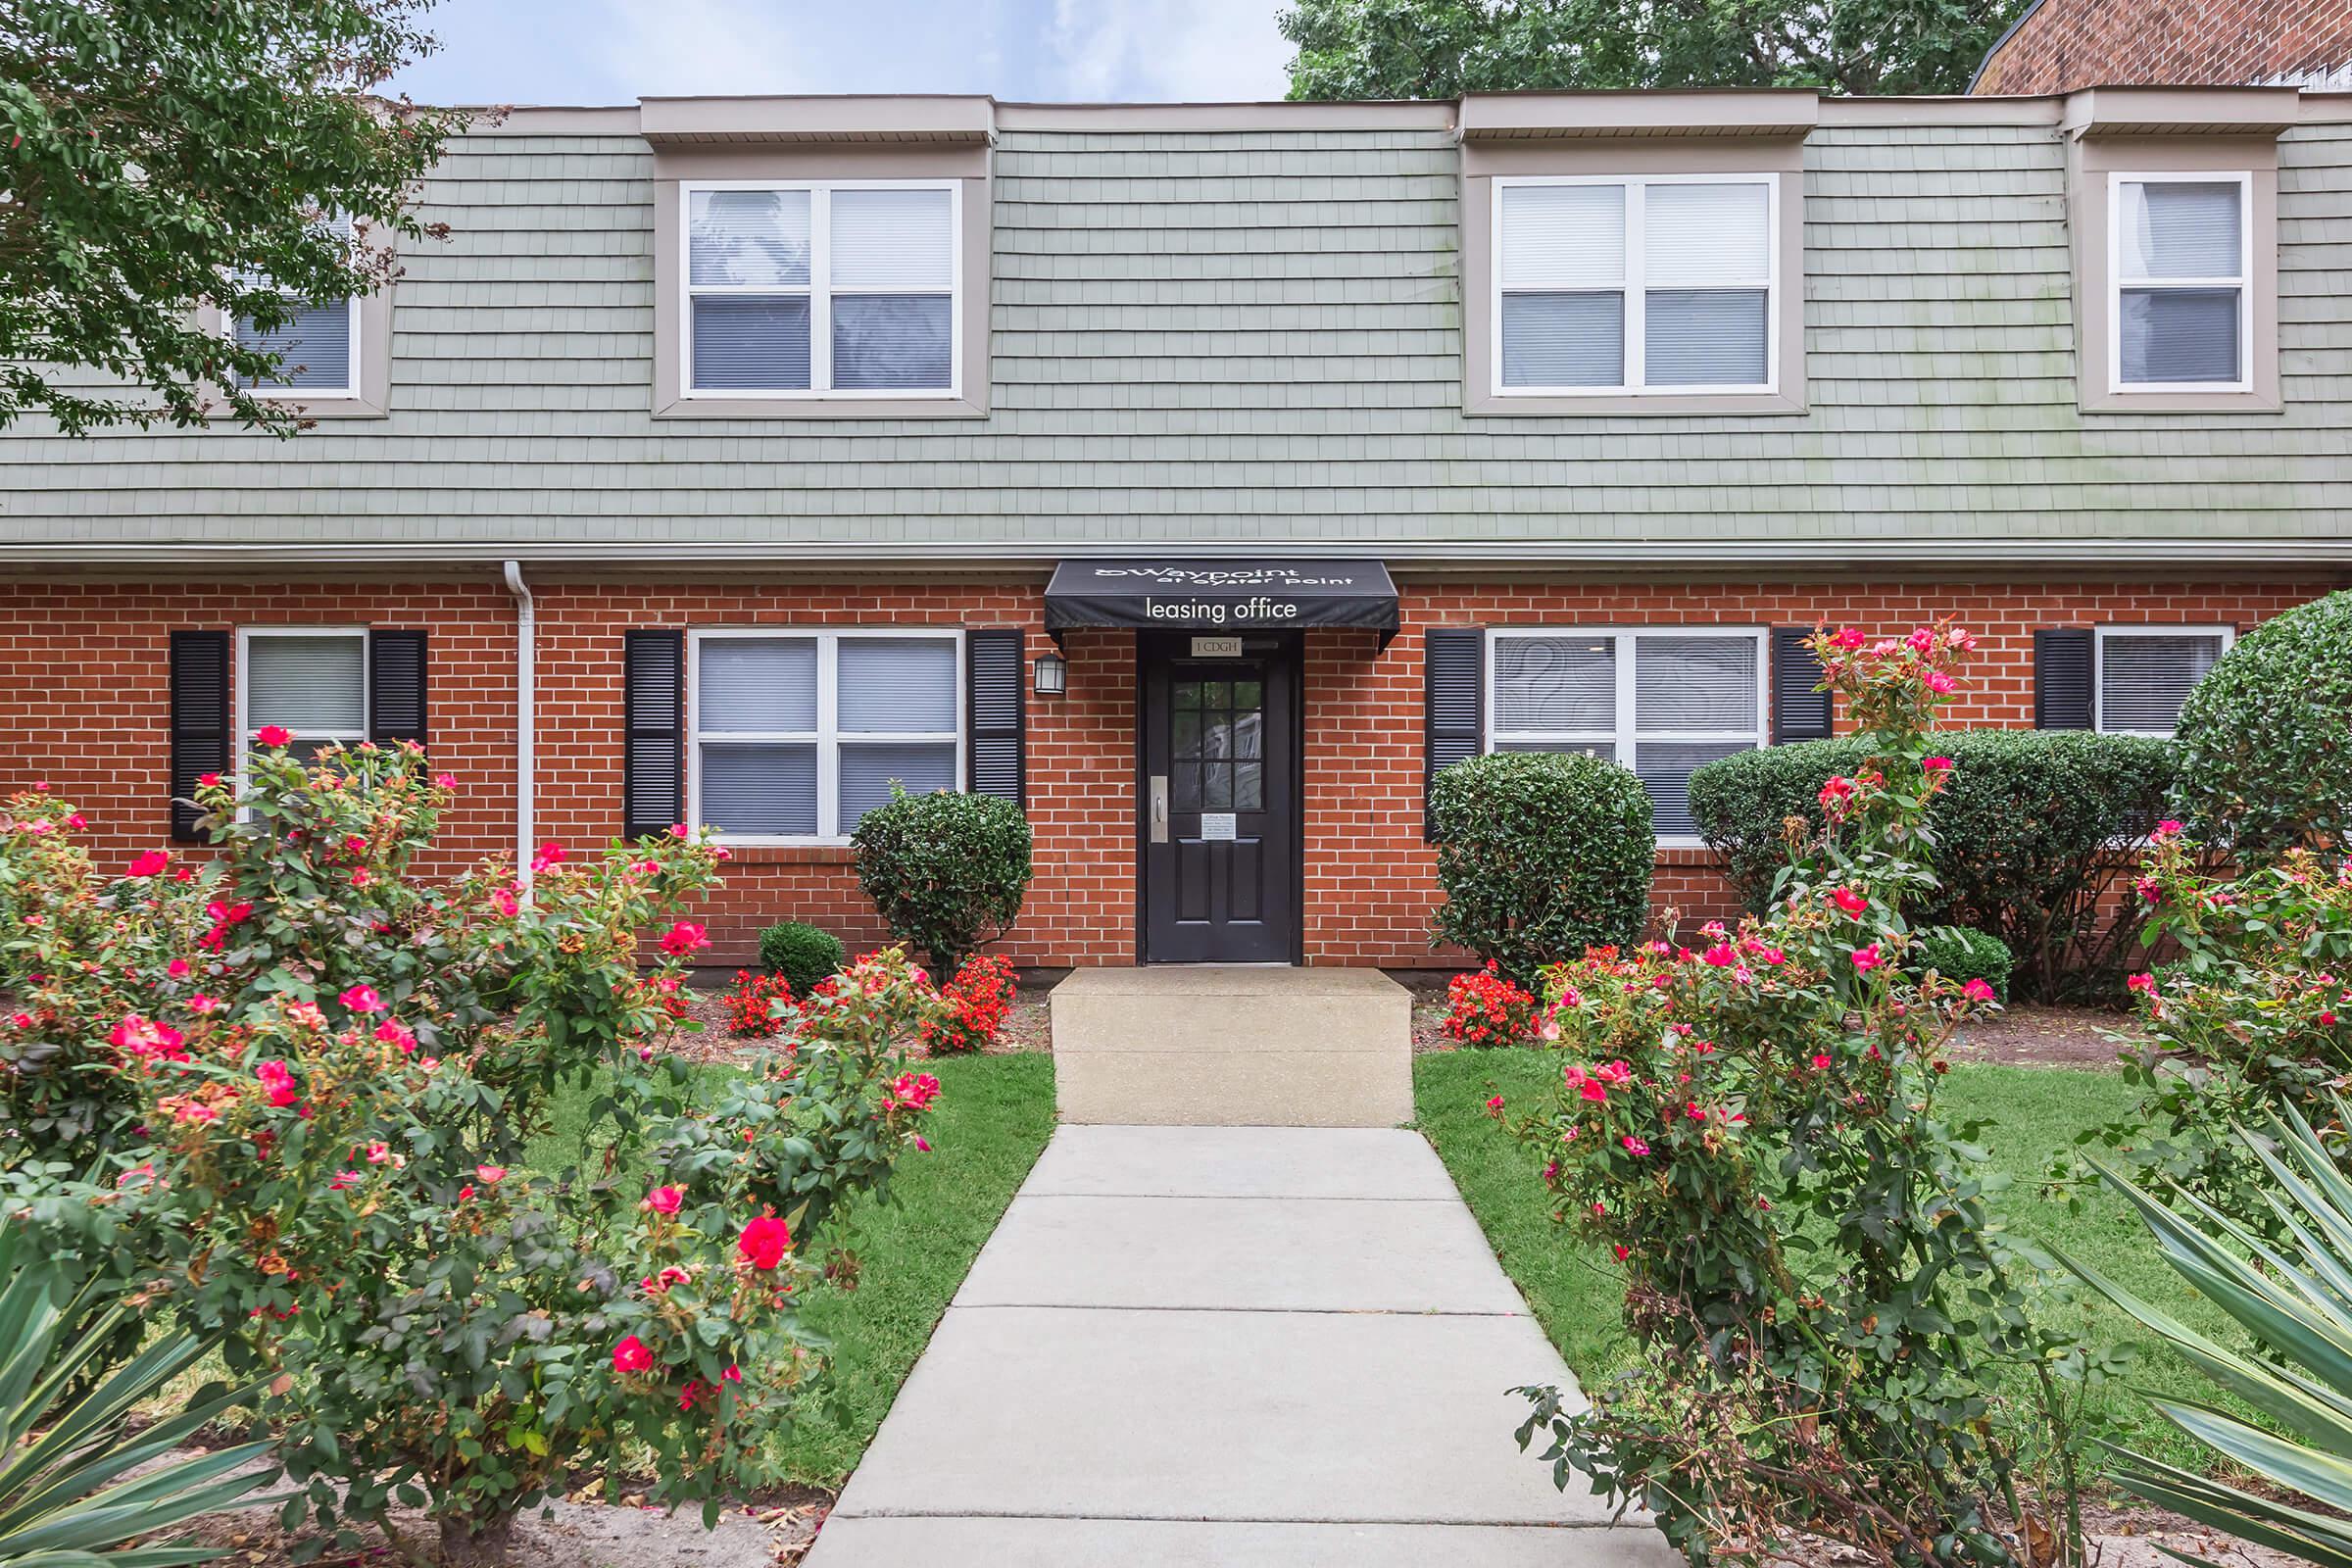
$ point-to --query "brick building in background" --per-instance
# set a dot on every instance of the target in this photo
(2062, 45)
(1203, 476)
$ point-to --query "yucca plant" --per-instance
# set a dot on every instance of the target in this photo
(77, 1484)
(2295, 1299)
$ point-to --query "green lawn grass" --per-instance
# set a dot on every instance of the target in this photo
(987, 1128)
(2033, 1113)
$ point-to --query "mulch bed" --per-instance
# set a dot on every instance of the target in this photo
(1027, 1027)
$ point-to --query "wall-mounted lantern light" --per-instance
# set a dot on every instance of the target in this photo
(1053, 675)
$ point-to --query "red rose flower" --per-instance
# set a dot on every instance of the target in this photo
(272, 735)
(151, 863)
(632, 1355)
(764, 1242)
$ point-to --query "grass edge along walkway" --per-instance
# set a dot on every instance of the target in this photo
(2033, 1113)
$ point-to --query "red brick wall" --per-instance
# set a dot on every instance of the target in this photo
(85, 694)
(84, 697)
(2066, 44)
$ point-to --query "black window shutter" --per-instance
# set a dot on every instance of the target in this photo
(654, 711)
(200, 735)
(1798, 712)
(396, 687)
(1454, 702)
(2062, 678)
(995, 756)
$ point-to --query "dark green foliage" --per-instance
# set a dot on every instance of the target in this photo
(1958, 953)
(946, 871)
(801, 954)
(2266, 737)
(1442, 48)
(1540, 854)
(164, 154)
(2031, 829)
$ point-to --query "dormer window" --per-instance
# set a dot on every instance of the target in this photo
(821, 289)
(2181, 260)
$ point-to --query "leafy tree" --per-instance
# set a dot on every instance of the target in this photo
(166, 155)
(1442, 48)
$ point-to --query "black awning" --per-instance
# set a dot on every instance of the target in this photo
(1222, 595)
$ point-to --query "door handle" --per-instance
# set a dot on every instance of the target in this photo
(1160, 807)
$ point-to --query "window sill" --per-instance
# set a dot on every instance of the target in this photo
(813, 853)
(1617, 405)
(2255, 402)
(963, 408)
(330, 406)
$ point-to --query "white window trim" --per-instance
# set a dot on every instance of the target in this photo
(1635, 288)
(1626, 738)
(826, 737)
(2098, 665)
(246, 636)
(820, 289)
(2243, 180)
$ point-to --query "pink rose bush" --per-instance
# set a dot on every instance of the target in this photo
(1834, 1332)
(284, 1096)
(2251, 1014)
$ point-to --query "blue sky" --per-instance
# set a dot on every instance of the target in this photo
(612, 51)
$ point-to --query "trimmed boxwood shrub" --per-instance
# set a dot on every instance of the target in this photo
(1540, 854)
(946, 871)
(2028, 834)
(2266, 737)
(1959, 953)
(801, 954)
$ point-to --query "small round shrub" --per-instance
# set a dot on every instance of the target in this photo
(946, 871)
(2031, 831)
(2266, 737)
(1961, 954)
(1540, 854)
(801, 954)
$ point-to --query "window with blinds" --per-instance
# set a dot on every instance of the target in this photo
(796, 735)
(2146, 672)
(318, 347)
(800, 290)
(311, 683)
(1661, 703)
(2180, 263)
(1618, 285)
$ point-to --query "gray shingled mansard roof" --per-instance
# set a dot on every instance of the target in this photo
(1238, 329)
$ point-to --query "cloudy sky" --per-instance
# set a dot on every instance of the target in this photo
(612, 51)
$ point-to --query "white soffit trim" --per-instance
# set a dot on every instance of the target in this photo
(1565, 116)
(889, 119)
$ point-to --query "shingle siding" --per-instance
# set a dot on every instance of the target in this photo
(1236, 336)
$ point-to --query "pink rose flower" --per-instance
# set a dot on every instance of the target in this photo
(1867, 959)
(362, 998)
(272, 735)
(764, 1242)
(151, 863)
(664, 1199)
(1977, 990)
(632, 1355)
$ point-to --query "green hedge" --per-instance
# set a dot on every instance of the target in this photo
(1540, 854)
(801, 954)
(2028, 835)
(946, 871)
(2266, 737)
(1957, 952)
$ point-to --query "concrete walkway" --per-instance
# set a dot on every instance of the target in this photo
(1195, 1346)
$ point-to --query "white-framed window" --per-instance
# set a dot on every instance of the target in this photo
(839, 289)
(2179, 250)
(1661, 283)
(310, 681)
(2145, 672)
(795, 735)
(318, 347)
(1660, 701)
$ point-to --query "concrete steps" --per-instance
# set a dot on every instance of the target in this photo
(1239, 1047)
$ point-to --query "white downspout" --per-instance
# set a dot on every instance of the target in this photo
(526, 648)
